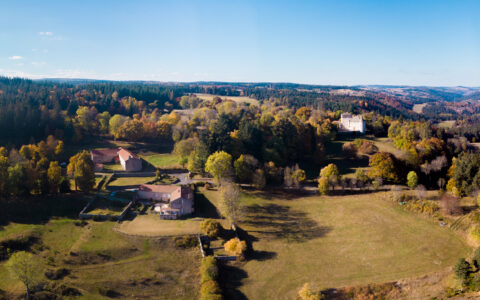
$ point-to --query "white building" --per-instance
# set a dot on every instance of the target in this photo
(351, 123)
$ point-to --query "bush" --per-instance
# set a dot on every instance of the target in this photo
(57, 274)
(210, 287)
(462, 269)
(476, 258)
(211, 228)
(209, 290)
(188, 241)
(208, 269)
(235, 247)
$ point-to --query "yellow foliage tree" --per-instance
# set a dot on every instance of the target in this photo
(235, 247)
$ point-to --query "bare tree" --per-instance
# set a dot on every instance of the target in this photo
(230, 204)
(450, 204)
(421, 192)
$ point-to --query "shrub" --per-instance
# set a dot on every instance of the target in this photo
(323, 185)
(235, 247)
(208, 269)
(211, 228)
(307, 293)
(188, 241)
(57, 274)
(476, 258)
(462, 269)
(210, 287)
(209, 290)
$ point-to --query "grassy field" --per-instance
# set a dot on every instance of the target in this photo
(114, 167)
(100, 260)
(163, 160)
(337, 241)
(127, 181)
(151, 225)
(210, 97)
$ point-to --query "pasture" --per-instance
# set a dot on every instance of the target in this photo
(136, 267)
(161, 160)
(240, 99)
(336, 241)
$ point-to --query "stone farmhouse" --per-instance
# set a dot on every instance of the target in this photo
(170, 201)
(351, 123)
(129, 161)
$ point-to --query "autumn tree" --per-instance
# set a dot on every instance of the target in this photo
(383, 165)
(412, 179)
(26, 268)
(219, 165)
(307, 293)
(81, 169)
(323, 185)
(235, 247)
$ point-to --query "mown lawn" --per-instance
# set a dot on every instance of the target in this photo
(151, 225)
(338, 241)
(126, 181)
(163, 160)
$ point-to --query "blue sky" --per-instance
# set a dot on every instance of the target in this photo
(318, 42)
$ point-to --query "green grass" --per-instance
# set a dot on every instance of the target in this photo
(164, 160)
(126, 181)
(338, 241)
(113, 167)
(102, 238)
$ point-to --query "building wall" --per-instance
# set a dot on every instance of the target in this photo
(131, 165)
(185, 205)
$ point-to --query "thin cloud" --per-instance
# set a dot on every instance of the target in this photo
(15, 57)
(48, 33)
(38, 63)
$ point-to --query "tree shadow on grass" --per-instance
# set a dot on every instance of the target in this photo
(281, 222)
(204, 208)
(40, 209)
(231, 278)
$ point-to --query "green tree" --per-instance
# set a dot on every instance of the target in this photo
(54, 176)
(16, 180)
(361, 176)
(103, 121)
(412, 179)
(3, 175)
(331, 173)
(81, 169)
(24, 267)
(198, 158)
(219, 165)
(184, 148)
(244, 167)
(115, 123)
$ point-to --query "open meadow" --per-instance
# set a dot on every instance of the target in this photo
(136, 267)
(210, 97)
(336, 241)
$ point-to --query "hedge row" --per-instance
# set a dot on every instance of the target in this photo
(210, 289)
